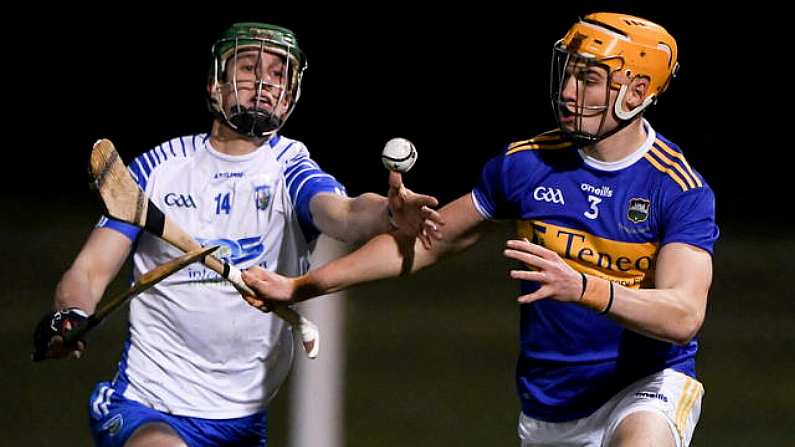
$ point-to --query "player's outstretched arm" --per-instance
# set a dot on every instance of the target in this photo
(673, 311)
(360, 218)
(79, 291)
(383, 257)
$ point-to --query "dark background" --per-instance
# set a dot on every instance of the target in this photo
(461, 84)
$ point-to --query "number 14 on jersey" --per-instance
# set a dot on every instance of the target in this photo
(222, 203)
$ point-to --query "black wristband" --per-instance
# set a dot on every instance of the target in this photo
(584, 285)
(609, 301)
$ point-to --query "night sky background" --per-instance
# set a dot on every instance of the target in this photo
(461, 83)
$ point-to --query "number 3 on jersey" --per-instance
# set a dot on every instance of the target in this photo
(222, 205)
(593, 213)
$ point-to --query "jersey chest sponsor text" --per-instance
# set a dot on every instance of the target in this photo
(628, 263)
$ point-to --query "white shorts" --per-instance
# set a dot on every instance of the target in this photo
(671, 394)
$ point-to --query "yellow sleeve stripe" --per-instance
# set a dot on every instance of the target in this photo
(681, 157)
(692, 390)
(546, 136)
(668, 171)
(520, 143)
(532, 147)
(673, 164)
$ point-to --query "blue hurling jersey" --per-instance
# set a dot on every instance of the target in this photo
(603, 219)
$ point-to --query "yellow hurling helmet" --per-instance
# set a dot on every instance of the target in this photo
(629, 45)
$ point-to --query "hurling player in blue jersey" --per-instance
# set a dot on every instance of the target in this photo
(616, 230)
(200, 366)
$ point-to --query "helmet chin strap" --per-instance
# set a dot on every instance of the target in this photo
(628, 115)
(588, 139)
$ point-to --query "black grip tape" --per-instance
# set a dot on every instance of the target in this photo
(155, 220)
(226, 271)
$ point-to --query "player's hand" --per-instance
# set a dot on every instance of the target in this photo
(411, 213)
(48, 336)
(556, 279)
(269, 287)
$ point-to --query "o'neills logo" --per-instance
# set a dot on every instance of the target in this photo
(638, 210)
(603, 191)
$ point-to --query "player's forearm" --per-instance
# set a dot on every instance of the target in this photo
(388, 255)
(668, 314)
(382, 257)
(351, 220)
(367, 217)
(75, 289)
(97, 264)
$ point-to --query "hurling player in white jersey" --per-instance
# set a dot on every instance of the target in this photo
(200, 366)
(617, 232)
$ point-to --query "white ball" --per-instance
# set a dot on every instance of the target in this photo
(399, 155)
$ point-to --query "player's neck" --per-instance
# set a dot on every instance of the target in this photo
(226, 141)
(619, 145)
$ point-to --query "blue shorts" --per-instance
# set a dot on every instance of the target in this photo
(114, 419)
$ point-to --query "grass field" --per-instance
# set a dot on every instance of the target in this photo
(409, 379)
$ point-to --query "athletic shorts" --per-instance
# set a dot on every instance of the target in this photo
(671, 394)
(114, 419)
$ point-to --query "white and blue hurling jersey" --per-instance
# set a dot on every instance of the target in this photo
(195, 348)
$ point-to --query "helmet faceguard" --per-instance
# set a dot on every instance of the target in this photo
(624, 48)
(255, 78)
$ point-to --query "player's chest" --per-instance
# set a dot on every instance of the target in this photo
(220, 197)
(615, 206)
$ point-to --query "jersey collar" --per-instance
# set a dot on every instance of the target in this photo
(627, 161)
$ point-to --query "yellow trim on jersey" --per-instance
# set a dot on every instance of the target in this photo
(681, 157)
(665, 170)
(532, 147)
(546, 136)
(692, 389)
(673, 164)
(548, 140)
(630, 264)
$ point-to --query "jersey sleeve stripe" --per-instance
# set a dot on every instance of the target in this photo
(133, 170)
(550, 135)
(143, 165)
(284, 151)
(673, 164)
(275, 141)
(534, 146)
(299, 173)
(291, 170)
(668, 171)
(520, 143)
(295, 192)
(681, 157)
(480, 208)
(202, 139)
(162, 148)
(150, 159)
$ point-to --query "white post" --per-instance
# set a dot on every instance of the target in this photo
(317, 404)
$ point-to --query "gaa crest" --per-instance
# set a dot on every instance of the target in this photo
(262, 196)
(638, 210)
